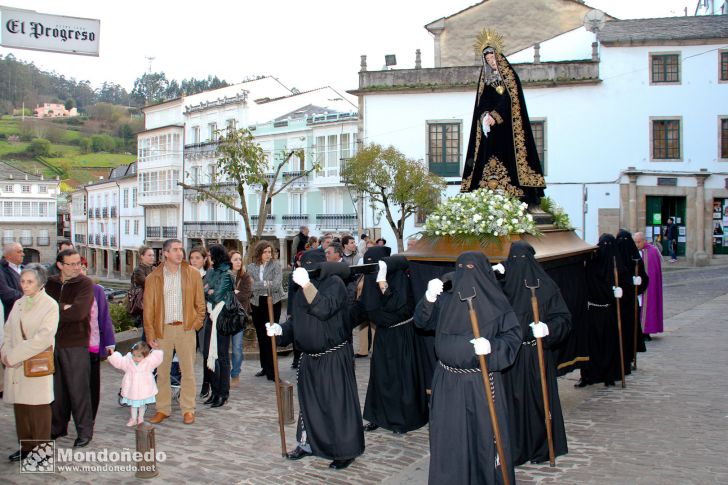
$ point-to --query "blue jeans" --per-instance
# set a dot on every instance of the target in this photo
(671, 246)
(237, 343)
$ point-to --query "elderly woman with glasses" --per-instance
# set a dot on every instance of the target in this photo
(30, 329)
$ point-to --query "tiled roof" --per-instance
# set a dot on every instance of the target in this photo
(665, 29)
(8, 171)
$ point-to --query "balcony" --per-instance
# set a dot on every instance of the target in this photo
(154, 232)
(228, 229)
(161, 198)
(105, 212)
(112, 241)
(337, 222)
(113, 212)
(169, 232)
(42, 241)
(104, 240)
(294, 221)
(270, 223)
(79, 238)
(300, 182)
(97, 239)
(26, 240)
(97, 211)
(227, 188)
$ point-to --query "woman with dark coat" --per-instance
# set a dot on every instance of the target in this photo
(219, 291)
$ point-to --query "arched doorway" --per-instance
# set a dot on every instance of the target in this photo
(31, 256)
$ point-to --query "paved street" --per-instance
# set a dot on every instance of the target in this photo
(668, 426)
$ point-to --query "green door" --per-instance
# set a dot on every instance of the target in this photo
(659, 209)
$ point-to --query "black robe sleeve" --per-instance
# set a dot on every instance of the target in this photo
(324, 306)
(286, 338)
(505, 345)
(557, 317)
(426, 314)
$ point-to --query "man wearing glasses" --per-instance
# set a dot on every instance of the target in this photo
(74, 293)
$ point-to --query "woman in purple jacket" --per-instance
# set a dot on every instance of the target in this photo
(102, 340)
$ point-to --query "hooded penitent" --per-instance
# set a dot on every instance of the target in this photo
(632, 262)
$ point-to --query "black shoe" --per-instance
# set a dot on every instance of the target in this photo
(359, 356)
(582, 383)
(298, 453)
(608, 383)
(205, 391)
(18, 455)
(210, 399)
(260, 373)
(271, 377)
(341, 464)
(219, 401)
(56, 436)
(81, 442)
(370, 427)
(647, 337)
(294, 365)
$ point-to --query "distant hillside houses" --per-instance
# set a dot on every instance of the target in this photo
(54, 110)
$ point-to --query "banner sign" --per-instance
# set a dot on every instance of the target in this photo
(26, 29)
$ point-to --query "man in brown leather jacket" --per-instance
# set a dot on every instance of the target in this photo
(174, 309)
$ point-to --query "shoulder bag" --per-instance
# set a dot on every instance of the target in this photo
(41, 364)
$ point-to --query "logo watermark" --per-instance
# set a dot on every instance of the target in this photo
(46, 457)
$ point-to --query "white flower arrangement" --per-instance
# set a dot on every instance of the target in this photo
(483, 213)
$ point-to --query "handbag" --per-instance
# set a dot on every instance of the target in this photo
(135, 301)
(232, 318)
(41, 364)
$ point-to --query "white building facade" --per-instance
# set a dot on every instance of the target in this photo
(631, 124)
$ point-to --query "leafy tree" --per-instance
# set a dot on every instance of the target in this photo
(39, 147)
(242, 163)
(150, 88)
(69, 104)
(395, 185)
(102, 143)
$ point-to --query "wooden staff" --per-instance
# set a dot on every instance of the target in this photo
(279, 400)
(542, 368)
(619, 323)
(489, 396)
(636, 311)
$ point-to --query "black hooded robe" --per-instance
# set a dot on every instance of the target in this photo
(462, 444)
(523, 379)
(505, 159)
(630, 255)
(396, 398)
(603, 333)
(330, 412)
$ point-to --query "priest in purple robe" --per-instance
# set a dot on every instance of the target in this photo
(652, 298)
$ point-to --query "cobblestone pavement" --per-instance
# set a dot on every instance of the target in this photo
(668, 426)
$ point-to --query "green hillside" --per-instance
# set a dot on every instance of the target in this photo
(75, 154)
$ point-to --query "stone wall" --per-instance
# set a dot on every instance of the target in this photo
(47, 253)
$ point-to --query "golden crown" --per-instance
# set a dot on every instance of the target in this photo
(488, 38)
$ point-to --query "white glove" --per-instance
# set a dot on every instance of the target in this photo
(273, 330)
(499, 268)
(482, 346)
(617, 291)
(434, 288)
(300, 277)
(382, 275)
(637, 280)
(540, 329)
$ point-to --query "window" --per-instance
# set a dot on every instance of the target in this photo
(230, 125)
(320, 153)
(134, 197)
(665, 68)
(9, 188)
(345, 146)
(127, 223)
(724, 65)
(43, 189)
(443, 150)
(136, 227)
(724, 138)
(538, 128)
(43, 209)
(294, 203)
(211, 212)
(25, 189)
(666, 139)
(26, 209)
(126, 198)
(195, 135)
(332, 158)
(210, 173)
(211, 129)
(7, 209)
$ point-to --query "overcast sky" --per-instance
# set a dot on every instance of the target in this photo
(306, 44)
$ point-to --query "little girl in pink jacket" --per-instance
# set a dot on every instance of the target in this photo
(138, 387)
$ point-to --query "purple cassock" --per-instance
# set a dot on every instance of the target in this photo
(652, 298)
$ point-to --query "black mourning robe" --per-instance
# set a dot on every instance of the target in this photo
(396, 398)
(630, 256)
(523, 379)
(462, 446)
(330, 413)
(506, 158)
(603, 333)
